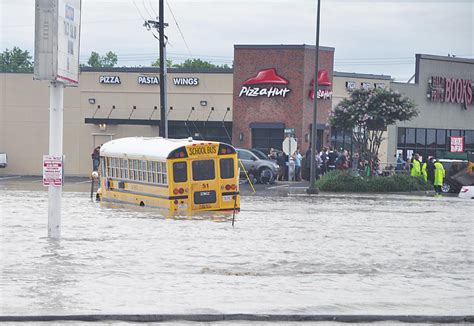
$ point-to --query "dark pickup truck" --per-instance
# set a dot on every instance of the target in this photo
(459, 173)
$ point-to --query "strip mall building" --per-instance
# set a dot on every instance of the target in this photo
(268, 90)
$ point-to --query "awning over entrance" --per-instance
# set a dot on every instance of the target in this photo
(267, 125)
(319, 126)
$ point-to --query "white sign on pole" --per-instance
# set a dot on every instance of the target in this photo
(52, 170)
(289, 145)
(57, 30)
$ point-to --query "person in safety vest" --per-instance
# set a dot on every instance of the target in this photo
(438, 176)
(423, 171)
(416, 166)
(430, 168)
(427, 170)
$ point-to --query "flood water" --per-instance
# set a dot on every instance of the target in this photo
(341, 254)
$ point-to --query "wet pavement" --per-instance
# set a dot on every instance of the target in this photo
(287, 254)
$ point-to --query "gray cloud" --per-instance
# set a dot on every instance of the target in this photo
(369, 36)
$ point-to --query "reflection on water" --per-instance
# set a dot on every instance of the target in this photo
(338, 254)
(162, 213)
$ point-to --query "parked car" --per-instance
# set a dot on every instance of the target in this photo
(263, 170)
(467, 192)
(3, 160)
(457, 175)
(261, 155)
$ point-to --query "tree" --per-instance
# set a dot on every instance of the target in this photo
(15, 60)
(198, 63)
(108, 60)
(367, 113)
(156, 63)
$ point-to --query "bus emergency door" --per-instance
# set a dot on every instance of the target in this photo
(203, 162)
(204, 186)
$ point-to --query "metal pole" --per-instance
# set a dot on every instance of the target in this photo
(314, 137)
(164, 82)
(56, 99)
(290, 177)
(163, 122)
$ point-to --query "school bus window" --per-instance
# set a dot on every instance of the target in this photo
(227, 168)
(161, 168)
(126, 168)
(113, 166)
(180, 173)
(203, 170)
(103, 166)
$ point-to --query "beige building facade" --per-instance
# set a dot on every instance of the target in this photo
(443, 91)
(107, 104)
(119, 102)
(344, 83)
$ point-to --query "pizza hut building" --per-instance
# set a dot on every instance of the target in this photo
(273, 91)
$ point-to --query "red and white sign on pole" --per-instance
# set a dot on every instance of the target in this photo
(456, 144)
(52, 170)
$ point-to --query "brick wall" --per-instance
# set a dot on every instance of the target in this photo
(295, 64)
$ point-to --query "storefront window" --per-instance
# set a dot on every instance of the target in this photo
(441, 139)
(430, 142)
(401, 137)
(420, 138)
(469, 140)
(431, 138)
(216, 134)
(178, 132)
(455, 133)
(410, 137)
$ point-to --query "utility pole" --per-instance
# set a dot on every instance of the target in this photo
(163, 115)
(312, 180)
(160, 27)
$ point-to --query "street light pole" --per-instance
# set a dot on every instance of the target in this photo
(312, 189)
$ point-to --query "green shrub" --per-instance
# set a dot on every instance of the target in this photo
(348, 181)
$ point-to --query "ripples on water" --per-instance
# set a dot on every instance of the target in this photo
(340, 254)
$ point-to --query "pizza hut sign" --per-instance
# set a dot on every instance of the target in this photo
(450, 90)
(324, 84)
(271, 82)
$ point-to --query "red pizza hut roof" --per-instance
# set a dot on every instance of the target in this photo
(323, 78)
(267, 76)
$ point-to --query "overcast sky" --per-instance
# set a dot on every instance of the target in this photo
(379, 37)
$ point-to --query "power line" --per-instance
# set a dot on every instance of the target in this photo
(144, 5)
(179, 28)
(153, 9)
(139, 12)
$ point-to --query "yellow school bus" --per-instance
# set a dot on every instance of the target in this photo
(182, 175)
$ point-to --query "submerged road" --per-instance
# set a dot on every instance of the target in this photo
(288, 255)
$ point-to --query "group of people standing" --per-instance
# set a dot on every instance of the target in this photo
(328, 159)
(432, 171)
